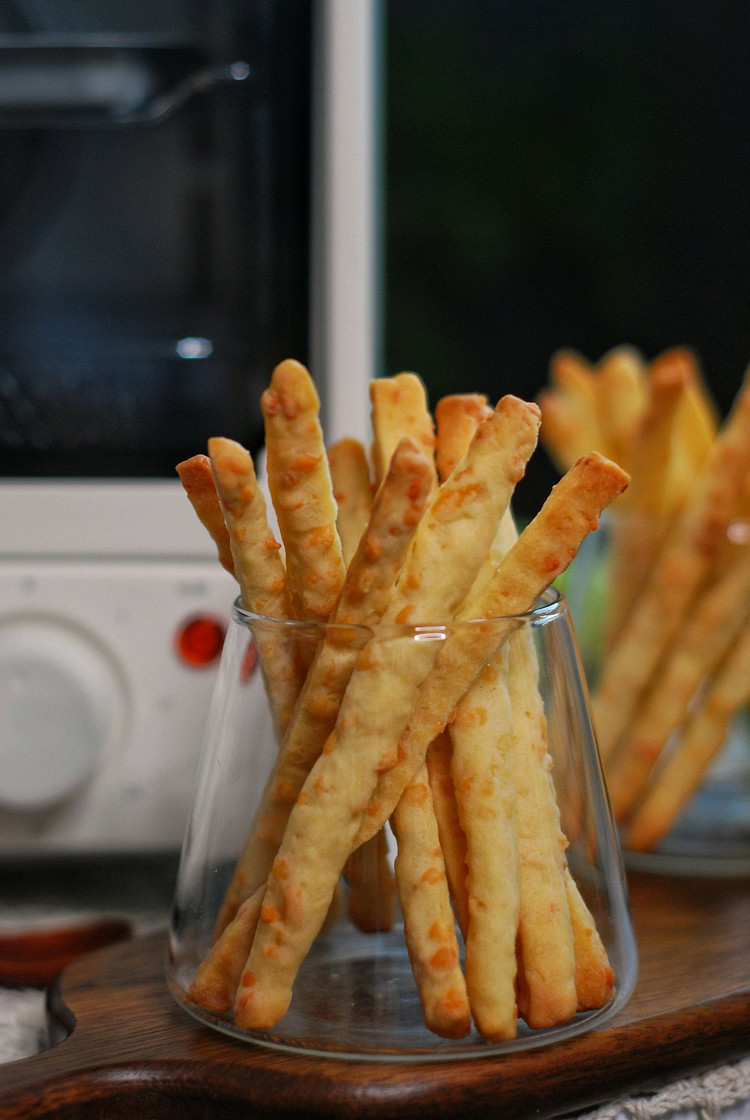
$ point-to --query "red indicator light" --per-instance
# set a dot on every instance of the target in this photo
(199, 641)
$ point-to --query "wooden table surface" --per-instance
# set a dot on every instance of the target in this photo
(135, 1053)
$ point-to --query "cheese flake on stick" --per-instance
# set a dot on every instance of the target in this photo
(394, 518)
(682, 567)
(197, 480)
(299, 482)
(451, 540)
(258, 566)
(429, 925)
(483, 775)
(541, 553)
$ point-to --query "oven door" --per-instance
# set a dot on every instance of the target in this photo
(154, 215)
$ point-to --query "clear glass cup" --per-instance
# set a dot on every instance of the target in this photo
(678, 771)
(355, 995)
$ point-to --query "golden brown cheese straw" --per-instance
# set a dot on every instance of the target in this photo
(699, 419)
(484, 780)
(547, 993)
(372, 887)
(659, 484)
(707, 634)
(620, 397)
(394, 518)
(457, 418)
(594, 977)
(352, 491)
(542, 552)
(682, 567)
(197, 480)
(368, 873)
(398, 408)
(258, 566)
(702, 737)
(450, 830)
(446, 551)
(429, 927)
(216, 980)
(299, 482)
(565, 433)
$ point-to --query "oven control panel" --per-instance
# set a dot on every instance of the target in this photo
(107, 666)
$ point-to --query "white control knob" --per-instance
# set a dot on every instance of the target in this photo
(62, 708)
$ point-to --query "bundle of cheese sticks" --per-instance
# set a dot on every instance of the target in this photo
(675, 657)
(442, 743)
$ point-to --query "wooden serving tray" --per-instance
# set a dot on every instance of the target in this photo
(134, 1052)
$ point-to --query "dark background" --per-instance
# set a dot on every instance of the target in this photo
(564, 175)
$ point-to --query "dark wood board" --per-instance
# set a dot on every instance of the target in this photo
(134, 1052)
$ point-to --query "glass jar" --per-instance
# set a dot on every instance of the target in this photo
(343, 863)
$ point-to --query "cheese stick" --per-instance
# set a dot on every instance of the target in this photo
(258, 566)
(352, 491)
(299, 482)
(483, 775)
(429, 927)
(398, 408)
(197, 480)
(447, 549)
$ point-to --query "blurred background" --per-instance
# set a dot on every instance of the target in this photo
(565, 175)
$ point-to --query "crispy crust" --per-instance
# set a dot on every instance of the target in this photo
(352, 491)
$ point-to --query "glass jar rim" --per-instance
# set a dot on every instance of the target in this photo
(550, 606)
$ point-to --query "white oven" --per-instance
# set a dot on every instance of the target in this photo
(112, 601)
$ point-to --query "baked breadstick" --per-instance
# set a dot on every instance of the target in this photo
(352, 491)
(398, 409)
(218, 975)
(542, 552)
(394, 518)
(682, 567)
(699, 421)
(483, 774)
(594, 978)
(429, 927)
(457, 417)
(702, 738)
(709, 631)
(299, 482)
(450, 831)
(547, 989)
(659, 484)
(566, 434)
(446, 551)
(620, 396)
(258, 565)
(197, 480)
(368, 872)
